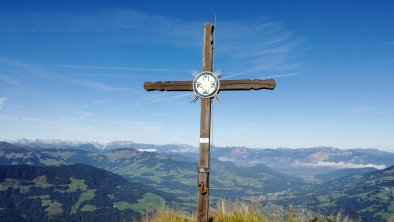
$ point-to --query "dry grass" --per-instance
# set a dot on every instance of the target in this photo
(237, 212)
(226, 211)
(169, 215)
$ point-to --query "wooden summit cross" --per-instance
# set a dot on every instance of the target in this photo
(206, 85)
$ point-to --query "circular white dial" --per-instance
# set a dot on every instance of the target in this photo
(206, 84)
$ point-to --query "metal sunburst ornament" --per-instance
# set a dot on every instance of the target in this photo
(206, 84)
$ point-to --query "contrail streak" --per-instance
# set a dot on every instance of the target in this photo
(117, 68)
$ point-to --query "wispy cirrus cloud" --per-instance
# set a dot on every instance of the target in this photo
(115, 68)
(118, 23)
(9, 79)
(151, 98)
(379, 113)
(253, 48)
(256, 48)
(2, 102)
(243, 46)
(274, 76)
(359, 110)
(364, 110)
(279, 75)
(36, 70)
(90, 84)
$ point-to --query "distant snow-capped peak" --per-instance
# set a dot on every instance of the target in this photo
(118, 144)
(56, 142)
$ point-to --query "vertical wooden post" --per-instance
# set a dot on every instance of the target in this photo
(205, 121)
(205, 131)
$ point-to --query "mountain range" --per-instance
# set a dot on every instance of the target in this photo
(304, 162)
(160, 171)
(325, 180)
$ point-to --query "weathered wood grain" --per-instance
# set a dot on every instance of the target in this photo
(169, 86)
(247, 84)
(225, 85)
(205, 131)
(205, 120)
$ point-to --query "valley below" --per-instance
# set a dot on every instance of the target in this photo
(57, 180)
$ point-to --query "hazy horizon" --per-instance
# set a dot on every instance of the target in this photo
(104, 143)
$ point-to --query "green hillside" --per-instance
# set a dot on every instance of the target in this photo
(72, 193)
(166, 174)
(369, 196)
(326, 177)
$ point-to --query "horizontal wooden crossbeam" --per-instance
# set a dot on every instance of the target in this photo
(225, 85)
(169, 86)
(247, 84)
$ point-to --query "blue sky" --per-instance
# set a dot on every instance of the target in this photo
(74, 70)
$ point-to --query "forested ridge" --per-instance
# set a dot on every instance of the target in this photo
(75, 192)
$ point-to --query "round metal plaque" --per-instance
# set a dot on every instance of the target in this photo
(206, 85)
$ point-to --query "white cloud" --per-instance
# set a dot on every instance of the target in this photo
(257, 46)
(115, 68)
(364, 110)
(9, 80)
(93, 84)
(342, 165)
(279, 75)
(2, 102)
(359, 110)
(50, 75)
(118, 23)
(379, 113)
